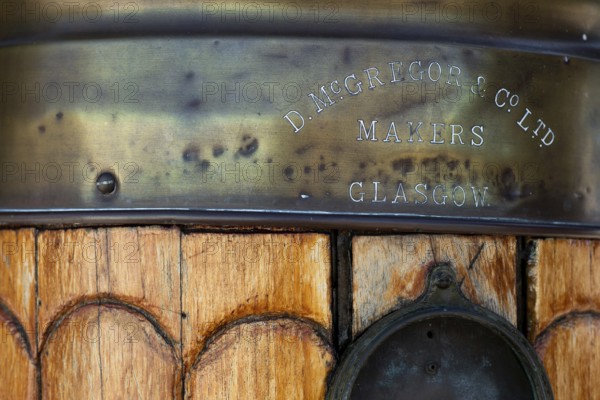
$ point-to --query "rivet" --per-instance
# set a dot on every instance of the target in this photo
(106, 183)
(443, 281)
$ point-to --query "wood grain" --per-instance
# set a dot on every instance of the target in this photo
(67, 271)
(144, 269)
(17, 314)
(389, 271)
(564, 314)
(98, 288)
(563, 278)
(275, 359)
(108, 353)
(231, 276)
(138, 266)
(571, 354)
(17, 368)
(17, 277)
(149, 312)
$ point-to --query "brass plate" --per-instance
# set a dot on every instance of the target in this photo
(195, 129)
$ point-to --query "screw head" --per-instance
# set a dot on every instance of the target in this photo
(443, 280)
(106, 183)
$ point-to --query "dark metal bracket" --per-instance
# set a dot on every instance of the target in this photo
(389, 342)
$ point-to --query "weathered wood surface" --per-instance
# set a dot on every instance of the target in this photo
(108, 353)
(156, 313)
(227, 277)
(109, 313)
(145, 313)
(564, 314)
(389, 271)
(17, 368)
(136, 266)
(273, 359)
(17, 314)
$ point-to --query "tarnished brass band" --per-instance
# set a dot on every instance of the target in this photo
(275, 126)
(553, 26)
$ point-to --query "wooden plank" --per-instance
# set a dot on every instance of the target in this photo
(390, 271)
(563, 301)
(275, 359)
(97, 287)
(226, 277)
(17, 371)
(143, 270)
(17, 314)
(108, 353)
(570, 351)
(17, 277)
(67, 271)
(563, 278)
(138, 266)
